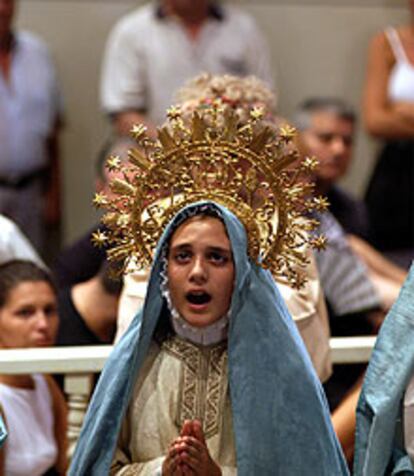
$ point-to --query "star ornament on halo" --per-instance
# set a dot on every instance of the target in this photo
(137, 131)
(173, 113)
(113, 164)
(100, 200)
(247, 166)
(100, 239)
(257, 113)
(287, 133)
(320, 204)
(310, 164)
(319, 243)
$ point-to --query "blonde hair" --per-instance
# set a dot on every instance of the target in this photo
(239, 94)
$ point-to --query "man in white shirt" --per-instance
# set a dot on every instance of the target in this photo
(154, 50)
(30, 107)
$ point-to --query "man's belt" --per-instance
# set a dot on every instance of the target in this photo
(24, 181)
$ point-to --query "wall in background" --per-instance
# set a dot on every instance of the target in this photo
(318, 48)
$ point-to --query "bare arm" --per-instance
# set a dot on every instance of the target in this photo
(406, 110)
(382, 118)
(376, 261)
(344, 421)
(60, 414)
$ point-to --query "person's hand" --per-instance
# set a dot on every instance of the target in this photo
(187, 429)
(193, 451)
(173, 464)
(170, 466)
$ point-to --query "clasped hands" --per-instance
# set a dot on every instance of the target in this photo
(188, 454)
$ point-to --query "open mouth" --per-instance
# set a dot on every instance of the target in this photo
(198, 298)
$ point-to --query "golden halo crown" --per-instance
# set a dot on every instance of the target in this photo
(248, 167)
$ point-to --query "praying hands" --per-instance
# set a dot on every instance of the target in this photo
(188, 454)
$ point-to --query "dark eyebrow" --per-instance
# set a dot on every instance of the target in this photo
(215, 249)
(218, 249)
(181, 246)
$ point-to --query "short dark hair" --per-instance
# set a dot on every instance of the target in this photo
(303, 115)
(109, 276)
(14, 272)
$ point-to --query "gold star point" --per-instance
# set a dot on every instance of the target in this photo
(257, 113)
(99, 238)
(173, 113)
(310, 164)
(100, 200)
(137, 131)
(113, 164)
(287, 133)
(321, 204)
(319, 242)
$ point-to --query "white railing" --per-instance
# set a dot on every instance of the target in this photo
(79, 364)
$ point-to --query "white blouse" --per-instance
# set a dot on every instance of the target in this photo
(30, 447)
(401, 82)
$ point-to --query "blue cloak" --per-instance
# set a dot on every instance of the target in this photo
(378, 446)
(3, 431)
(281, 420)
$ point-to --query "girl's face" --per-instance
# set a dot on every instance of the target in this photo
(201, 271)
(29, 316)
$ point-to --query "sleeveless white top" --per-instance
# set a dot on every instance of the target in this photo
(401, 81)
(30, 447)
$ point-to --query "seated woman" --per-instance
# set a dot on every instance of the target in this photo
(211, 376)
(32, 406)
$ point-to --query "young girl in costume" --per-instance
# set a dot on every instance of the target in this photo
(211, 377)
(32, 406)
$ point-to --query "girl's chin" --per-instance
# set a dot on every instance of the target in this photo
(199, 321)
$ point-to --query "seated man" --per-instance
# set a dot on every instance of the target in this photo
(327, 129)
(81, 260)
(211, 376)
(359, 284)
(88, 310)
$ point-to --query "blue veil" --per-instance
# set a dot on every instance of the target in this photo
(3, 431)
(280, 416)
(378, 446)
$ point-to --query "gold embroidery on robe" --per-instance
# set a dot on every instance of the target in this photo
(204, 383)
(152, 420)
